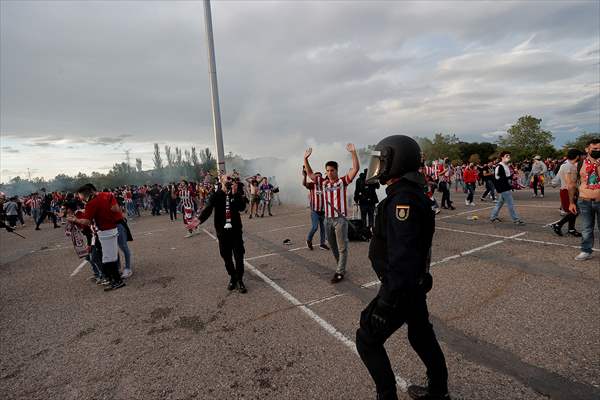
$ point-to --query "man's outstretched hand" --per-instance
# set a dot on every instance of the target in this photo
(307, 153)
(350, 147)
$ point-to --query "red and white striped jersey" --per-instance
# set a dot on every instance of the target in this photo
(431, 171)
(186, 197)
(335, 194)
(316, 196)
(36, 202)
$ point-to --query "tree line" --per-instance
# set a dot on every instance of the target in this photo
(525, 139)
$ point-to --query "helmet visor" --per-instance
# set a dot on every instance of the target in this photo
(375, 167)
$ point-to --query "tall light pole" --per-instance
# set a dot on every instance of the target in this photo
(214, 89)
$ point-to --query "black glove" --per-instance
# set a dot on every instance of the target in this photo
(381, 314)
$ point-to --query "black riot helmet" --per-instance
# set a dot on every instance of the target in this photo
(394, 157)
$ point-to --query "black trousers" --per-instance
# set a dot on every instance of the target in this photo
(412, 310)
(367, 214)
(231, 247)
(173, 210)
(568, 219)
(111, 271)
(155, 207)
(444, 187)
(489, 189)
(45, 213)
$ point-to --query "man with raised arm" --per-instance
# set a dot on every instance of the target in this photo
(335, 197)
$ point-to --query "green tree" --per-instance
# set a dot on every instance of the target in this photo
(207, 161)
(441, 146)
(138, 165)
(485, 150)
(158, 163)
(526, 138)
(581, 141)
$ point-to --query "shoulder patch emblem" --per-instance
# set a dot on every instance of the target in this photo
(402, 212)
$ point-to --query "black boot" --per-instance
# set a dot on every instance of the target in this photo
(241, 287)
(425, 393)
(232, 284)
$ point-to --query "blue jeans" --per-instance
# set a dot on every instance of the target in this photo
(95, 260)
(317, 222)
(505, 197)
(590, 216)
(122, 241)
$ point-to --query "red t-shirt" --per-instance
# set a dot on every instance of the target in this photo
(99, 210)
(470, 175)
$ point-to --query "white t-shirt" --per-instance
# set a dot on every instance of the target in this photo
(565, 169)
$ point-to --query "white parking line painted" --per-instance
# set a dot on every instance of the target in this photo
(324, 299)
(552, 223)
(455, 256)
(284, 228)
(209, 234)
(518, 239)
(402, 383)
(261, 256)
(147, 233)
(298, 248)
(465, 212)
(274, 254)
(76, 270)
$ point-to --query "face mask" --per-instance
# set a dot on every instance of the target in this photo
(595, 154)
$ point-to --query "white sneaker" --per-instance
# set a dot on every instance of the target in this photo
(126, 273)
(583, 256)
(466, 202)
(472, 204)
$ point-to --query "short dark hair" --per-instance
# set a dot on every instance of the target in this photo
(331, 164)
(86, 189)
(594, 140)
(503, 153)
(573, 154)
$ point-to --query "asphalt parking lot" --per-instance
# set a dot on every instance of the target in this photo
(516, 316)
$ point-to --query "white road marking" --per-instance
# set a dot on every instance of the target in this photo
(455, 256)
(298, 248)
(552, 223)
(150, 232)
(402, 383)
(76, 271)
(274, 254)
(284, 228)
(324, 299)
(465, 212)
(209, 234)
(511, 238)
(261, 256)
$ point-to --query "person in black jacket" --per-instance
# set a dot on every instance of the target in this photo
(228, 201)
(365, 195)
(400, 253)
(503, 183)
(46, 210)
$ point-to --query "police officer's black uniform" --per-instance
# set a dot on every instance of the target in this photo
(400, 255)
(231, 243)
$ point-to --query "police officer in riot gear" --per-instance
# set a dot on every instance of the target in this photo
(400, 253)
(227, 202)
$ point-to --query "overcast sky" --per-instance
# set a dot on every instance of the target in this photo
(81, 82)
